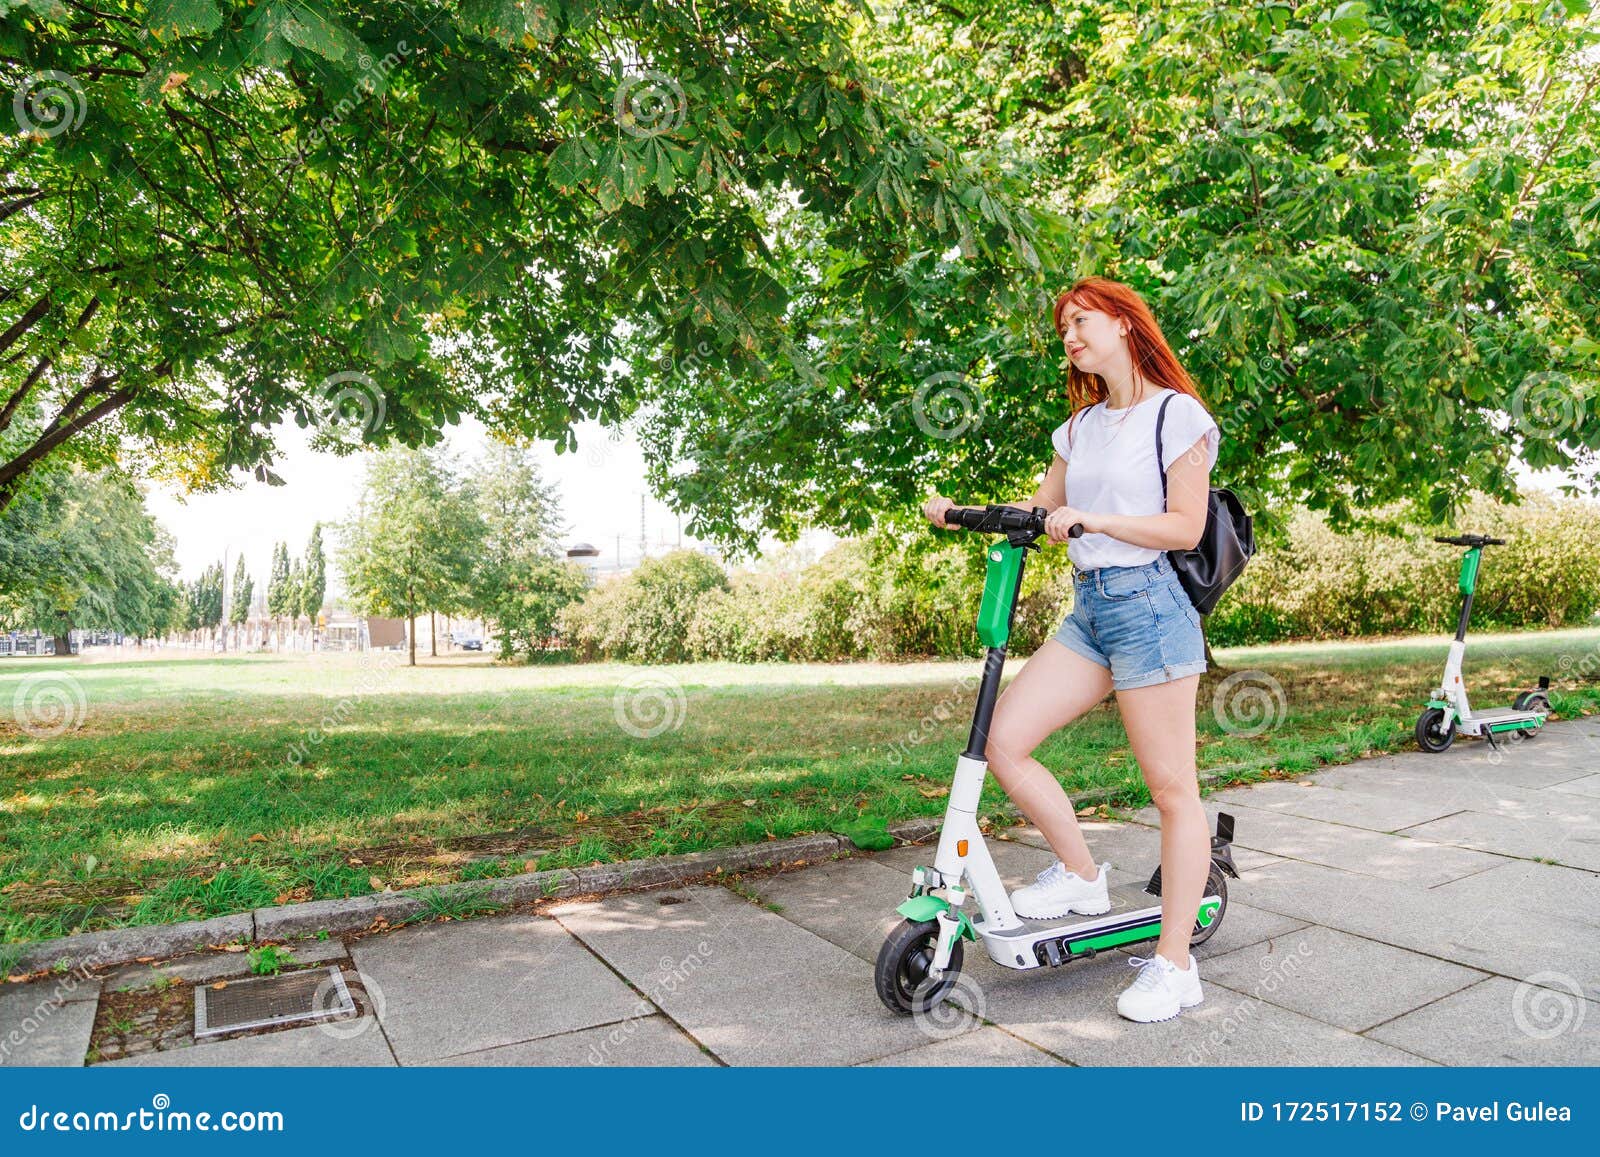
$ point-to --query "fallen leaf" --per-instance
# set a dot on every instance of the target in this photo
(580, 817)
(376, 884)
(749, 803)
(220, 984)
(937, 793)
(258, 838)
(1086, 811)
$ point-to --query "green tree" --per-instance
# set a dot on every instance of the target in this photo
(281, 599)
(294, 597)
(1370, 231)
(244, 589)
(408, 549)
(515, 588)
(314, 579)
(82, 552)
(377, 217)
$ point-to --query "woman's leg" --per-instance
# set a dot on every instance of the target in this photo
(1054, 687)
(1160, 723)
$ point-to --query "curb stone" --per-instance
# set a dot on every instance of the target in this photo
(358, 913)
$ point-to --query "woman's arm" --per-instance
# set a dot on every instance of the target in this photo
(1180, 528)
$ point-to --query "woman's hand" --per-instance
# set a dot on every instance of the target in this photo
(933, 509)
(1062, 519)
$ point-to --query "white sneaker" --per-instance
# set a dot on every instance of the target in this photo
(1161, 989)
(1057, 892)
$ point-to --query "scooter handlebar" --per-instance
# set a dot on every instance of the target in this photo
(1471, 540)
(1002, 520)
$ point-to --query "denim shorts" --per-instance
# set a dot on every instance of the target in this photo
(1137, 621)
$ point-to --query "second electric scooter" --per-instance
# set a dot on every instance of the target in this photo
(921, 959)
(1448, 710)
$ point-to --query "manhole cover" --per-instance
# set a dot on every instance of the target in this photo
(314, 994)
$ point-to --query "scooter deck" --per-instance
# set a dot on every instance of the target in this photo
(1134, 918)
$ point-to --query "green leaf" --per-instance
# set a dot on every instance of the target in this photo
(169, 19)
(869, 833)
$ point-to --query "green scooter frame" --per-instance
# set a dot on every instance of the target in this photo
(921, 960)
(1448, 710)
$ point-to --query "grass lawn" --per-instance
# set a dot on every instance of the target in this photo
(202, 786)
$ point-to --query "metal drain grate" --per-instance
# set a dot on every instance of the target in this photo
(314, 994)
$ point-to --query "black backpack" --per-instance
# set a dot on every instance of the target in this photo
(1227, 544)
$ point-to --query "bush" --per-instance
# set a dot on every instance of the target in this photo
(888, 598)
(643, 616)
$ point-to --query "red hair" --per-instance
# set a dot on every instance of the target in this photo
(1153, 359)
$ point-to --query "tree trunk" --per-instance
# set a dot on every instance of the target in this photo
(63, 645)
(411, 639)
(433, 634)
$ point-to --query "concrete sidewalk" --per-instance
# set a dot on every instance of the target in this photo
(1409, 910)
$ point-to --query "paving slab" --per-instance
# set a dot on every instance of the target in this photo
(1329, 975)
(1588, 785)
(1072, 1013)
(1404, 857)
(1508, 941)
(463, 986)
(848, 902)
(1348, 806)
(1563, 841)
(342, 1044)
(751, 986)
(989, 1047)
(642, 1041)
(47, 1022)
(1501, 1022)
(1569, 893)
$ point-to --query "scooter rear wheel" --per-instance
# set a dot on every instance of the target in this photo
(1432, 735)
(1217, 885)
(901, 975)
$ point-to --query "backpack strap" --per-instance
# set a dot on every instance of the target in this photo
(1161, 417)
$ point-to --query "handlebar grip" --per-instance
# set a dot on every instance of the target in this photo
(1076, 531)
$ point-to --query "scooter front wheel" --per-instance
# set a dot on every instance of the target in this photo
(1432, 732)
(901, 975)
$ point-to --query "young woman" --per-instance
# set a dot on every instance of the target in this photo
(1132, 629)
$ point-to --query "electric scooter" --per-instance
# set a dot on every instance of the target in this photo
(920, 961)
(1448, 709)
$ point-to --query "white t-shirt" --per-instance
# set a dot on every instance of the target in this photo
(1111, 467)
